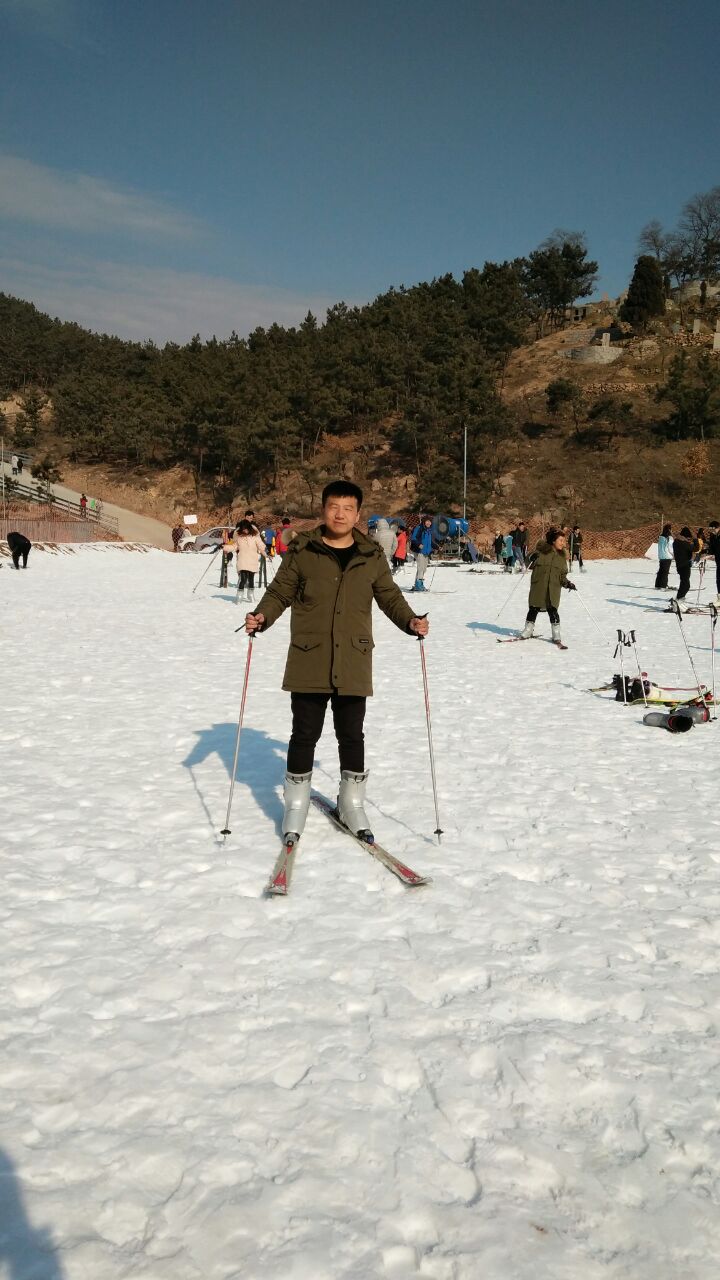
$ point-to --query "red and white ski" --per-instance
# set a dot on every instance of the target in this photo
(388, 860)
(279, 882)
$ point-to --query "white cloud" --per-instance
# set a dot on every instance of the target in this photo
(151, 302)
(77, 202)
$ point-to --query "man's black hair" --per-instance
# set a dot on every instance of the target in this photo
(342, 489)
(249, 512)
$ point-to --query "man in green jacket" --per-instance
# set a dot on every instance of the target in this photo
(549, 576)
(329, 579)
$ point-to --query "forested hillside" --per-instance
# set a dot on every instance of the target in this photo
(415, 368)
(386, 393)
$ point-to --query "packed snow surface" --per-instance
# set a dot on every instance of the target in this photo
(511, 1074)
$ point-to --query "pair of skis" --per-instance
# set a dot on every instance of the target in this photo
(279, 882)
(512, 639)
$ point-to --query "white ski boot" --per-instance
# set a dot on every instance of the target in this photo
(556, 637)
(296, 797)
(350, 801)
(528, 631)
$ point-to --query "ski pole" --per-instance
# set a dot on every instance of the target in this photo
(631, 634)
(512, 593)
(202, 575)
(589, 613)
(677, 612)
(226, 829)
(619, 651)
(438, 829)
(713, 624)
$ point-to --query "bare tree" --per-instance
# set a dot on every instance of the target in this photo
(699, 228)
(653, 240)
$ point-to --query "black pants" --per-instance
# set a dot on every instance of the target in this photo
(21, 551)
(308, 711)
(398, 562)
(226, 558)
(684, 587)
(552, 614)
(245, 579)
(262, 572)
(663, 574)
(577, 555)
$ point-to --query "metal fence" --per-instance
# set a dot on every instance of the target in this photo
(17, 492)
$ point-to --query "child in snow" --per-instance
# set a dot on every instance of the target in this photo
(665, 557)
(329, 578)
(549, 576)
(498, 545)
(400, 553)
(249, 547)
(283, 537)
(507, 552)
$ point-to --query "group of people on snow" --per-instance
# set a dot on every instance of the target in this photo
(511, 548)
(329, 578)
(685, 550)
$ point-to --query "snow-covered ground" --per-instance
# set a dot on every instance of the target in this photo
(512, 1074)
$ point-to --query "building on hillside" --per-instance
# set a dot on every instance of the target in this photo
(587, 310)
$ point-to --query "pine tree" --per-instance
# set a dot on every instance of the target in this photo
(646, 294)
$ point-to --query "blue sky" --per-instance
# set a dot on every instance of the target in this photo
(172, 166)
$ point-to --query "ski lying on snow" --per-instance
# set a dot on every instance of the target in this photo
(704, 613)
(279, 882)
(393, 864)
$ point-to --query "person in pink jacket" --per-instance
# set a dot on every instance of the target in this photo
(249, 547)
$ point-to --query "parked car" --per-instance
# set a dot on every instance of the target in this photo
(187, 541)
(211, 539)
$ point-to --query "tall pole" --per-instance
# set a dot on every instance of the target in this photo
(2, 456)
(465, 471)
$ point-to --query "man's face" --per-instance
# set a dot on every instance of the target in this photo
(340, 515)
(559, 542)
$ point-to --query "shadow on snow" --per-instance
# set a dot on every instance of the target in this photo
(25, 1251)
(261, 764)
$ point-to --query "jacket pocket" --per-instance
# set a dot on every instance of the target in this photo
(363, 643)
(306, 643)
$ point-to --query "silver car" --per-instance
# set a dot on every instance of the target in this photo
(211, 539)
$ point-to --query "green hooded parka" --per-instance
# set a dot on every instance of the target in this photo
(549, 575)
(331, 640)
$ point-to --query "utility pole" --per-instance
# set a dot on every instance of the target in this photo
(464, 470)
(2, 466)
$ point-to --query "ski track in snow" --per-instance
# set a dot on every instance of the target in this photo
(511, 1074)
